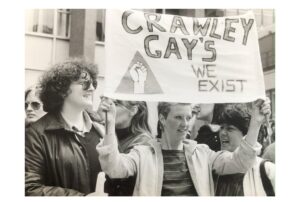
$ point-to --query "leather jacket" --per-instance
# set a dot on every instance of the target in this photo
(55, 161)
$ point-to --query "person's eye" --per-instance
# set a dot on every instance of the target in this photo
(178, 117)
(230, 129)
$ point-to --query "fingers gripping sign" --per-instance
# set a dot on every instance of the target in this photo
(107, 110)
(138, 73)
(261, 110)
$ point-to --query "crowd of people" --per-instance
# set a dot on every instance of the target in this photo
(197, 150)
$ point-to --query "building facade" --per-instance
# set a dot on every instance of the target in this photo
(54, 35)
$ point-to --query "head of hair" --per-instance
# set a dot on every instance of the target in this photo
(55, 83)
(235, 114)
(139, 122)
(36, 89)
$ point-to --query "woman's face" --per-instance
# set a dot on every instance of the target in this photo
(33, 107)
(125, 113)
(230, 137)
(176, 125)
(81, 92)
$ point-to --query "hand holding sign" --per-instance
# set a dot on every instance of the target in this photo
(138, 73)
(107, 107)
(261, 110)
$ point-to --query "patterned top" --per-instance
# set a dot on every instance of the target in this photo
(177, 180)
(230, 185)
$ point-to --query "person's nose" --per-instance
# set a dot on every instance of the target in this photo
(91, 87)
(185, 122)
(223, 132)
(29, 108)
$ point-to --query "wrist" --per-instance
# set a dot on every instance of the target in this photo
(139, 87)
(256, 123)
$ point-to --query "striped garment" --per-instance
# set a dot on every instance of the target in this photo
(177, 180)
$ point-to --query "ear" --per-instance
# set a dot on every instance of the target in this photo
(162, 119)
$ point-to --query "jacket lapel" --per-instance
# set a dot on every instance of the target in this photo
(189, 148)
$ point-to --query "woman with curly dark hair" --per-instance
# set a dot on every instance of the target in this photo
(60, 148)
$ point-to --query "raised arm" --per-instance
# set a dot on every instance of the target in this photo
(244, 156)
(113, 163)
(260, 110)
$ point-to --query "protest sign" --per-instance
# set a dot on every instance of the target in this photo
(156, 57)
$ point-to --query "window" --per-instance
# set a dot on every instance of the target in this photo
(214, 13)
(159, 10)
(181, 12)
(40, 21)
(268, 16)
(172, 11)
(100, 26)
(264, 17)
(48, 21)
(63, 22)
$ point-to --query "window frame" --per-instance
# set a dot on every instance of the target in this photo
(55, 28)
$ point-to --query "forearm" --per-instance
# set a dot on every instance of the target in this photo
(238, 161)
(112, 162)
(138, 87)
(110, 136)
(253, 131)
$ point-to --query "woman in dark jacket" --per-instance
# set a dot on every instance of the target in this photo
(60, 148)
(33, 105)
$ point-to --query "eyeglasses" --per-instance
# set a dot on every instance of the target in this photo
(121, 104)
(87, 83)
(34, 105)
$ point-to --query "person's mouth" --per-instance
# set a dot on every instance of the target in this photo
(183, 130)
(87, 95)
(30, 115)
(224, 141)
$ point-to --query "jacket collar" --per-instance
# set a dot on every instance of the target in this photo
(188, 145)
(57, 122)
(87, 123)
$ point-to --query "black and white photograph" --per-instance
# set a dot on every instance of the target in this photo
(150, 102)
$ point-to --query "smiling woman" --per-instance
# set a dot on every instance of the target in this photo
(60, 148)
(174, 165)
(174, 119)
(235, 121)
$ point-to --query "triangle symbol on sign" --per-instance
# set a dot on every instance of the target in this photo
(151, 85)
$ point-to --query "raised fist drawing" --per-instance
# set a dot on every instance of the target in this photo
(138, 73)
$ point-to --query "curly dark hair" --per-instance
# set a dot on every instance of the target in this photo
(55, 83)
